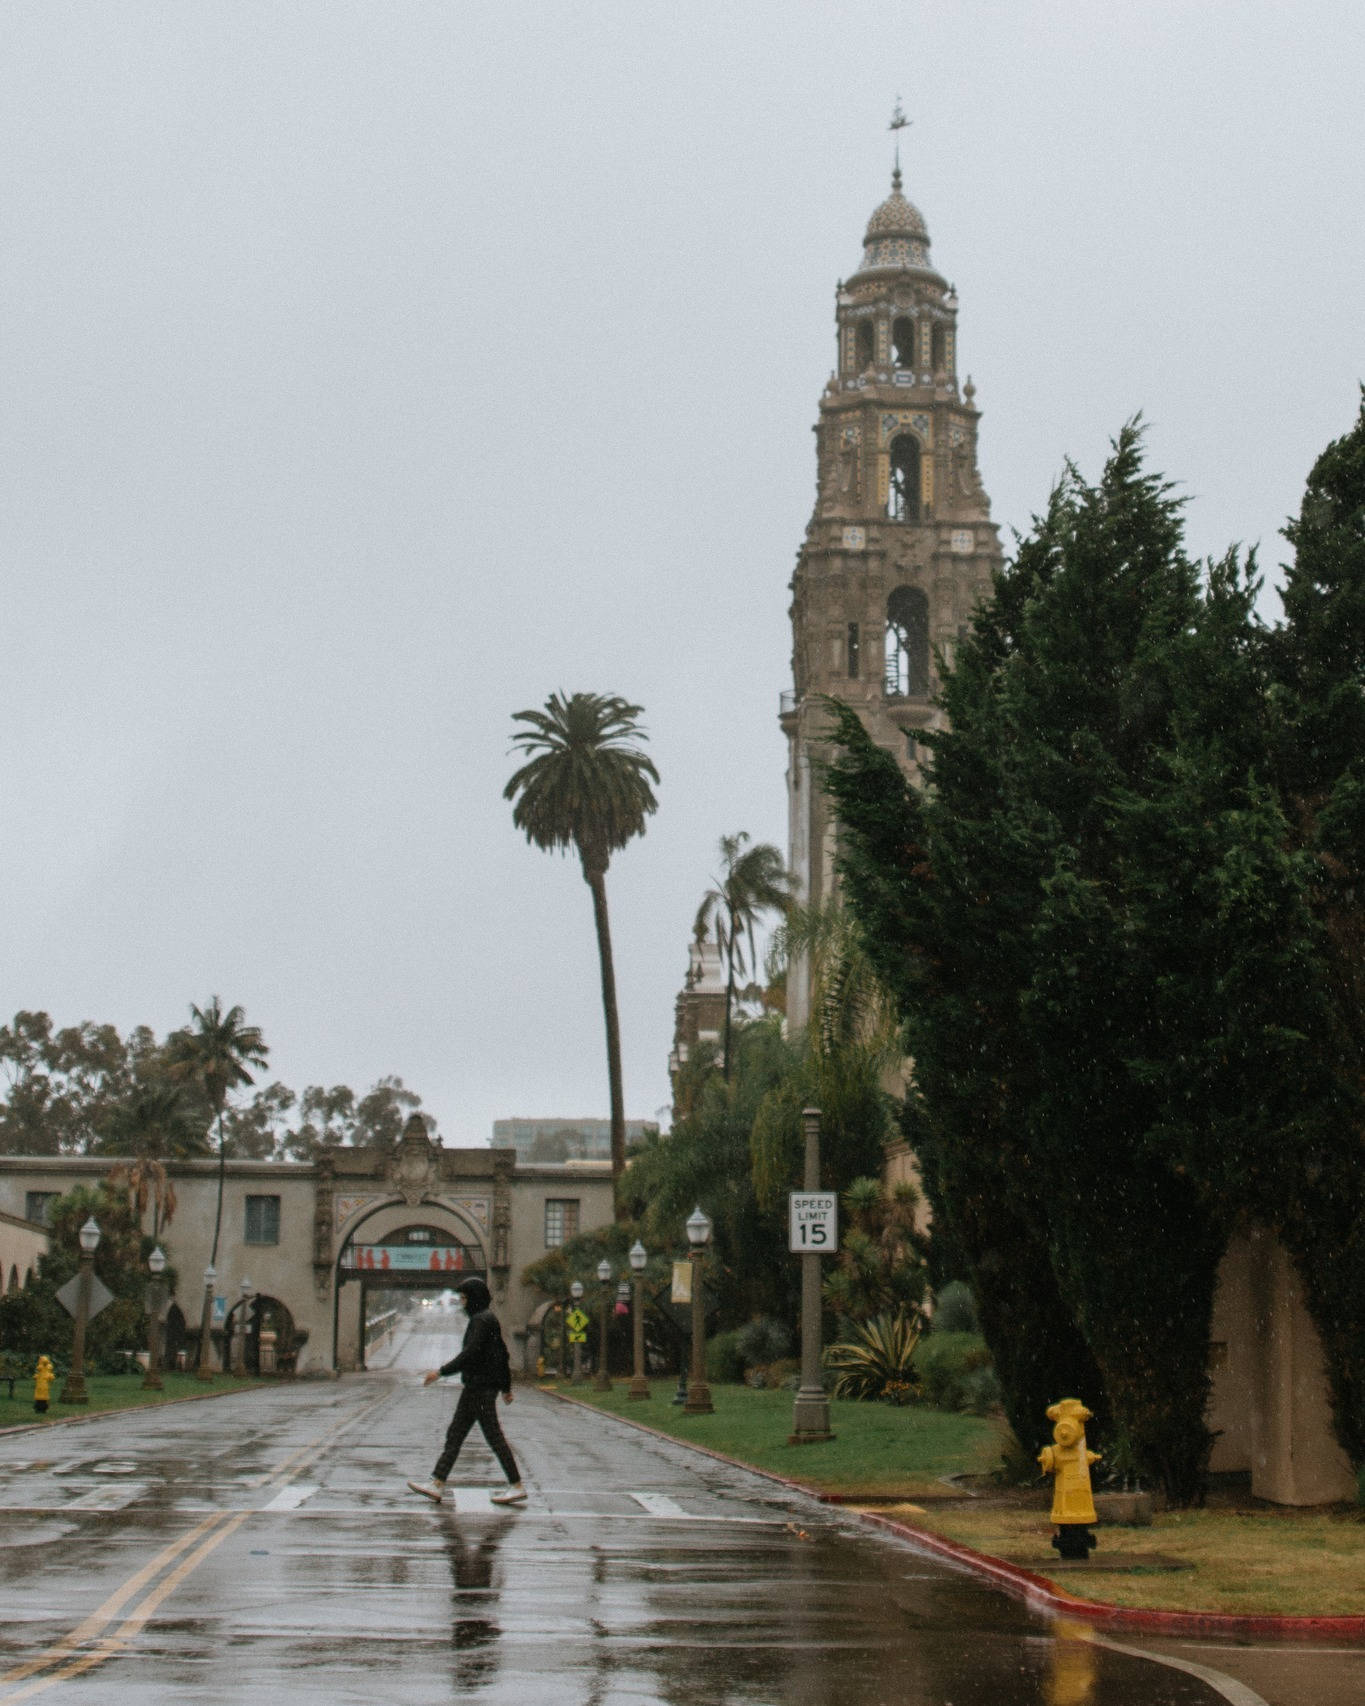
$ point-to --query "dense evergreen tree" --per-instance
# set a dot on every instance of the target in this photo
(1318, 725)
(1103, 946)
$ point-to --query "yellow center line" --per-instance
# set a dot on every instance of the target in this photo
(97, 1619)
(209, 1533)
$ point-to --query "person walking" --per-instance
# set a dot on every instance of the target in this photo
(486, 1369)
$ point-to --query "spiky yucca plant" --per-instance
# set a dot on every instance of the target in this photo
(877, 1361)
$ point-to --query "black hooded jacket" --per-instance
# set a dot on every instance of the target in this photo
(483, 1363)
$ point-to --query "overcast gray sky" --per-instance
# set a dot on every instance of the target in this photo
(370, 371)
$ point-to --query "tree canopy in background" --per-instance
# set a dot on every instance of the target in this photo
(85, 1089)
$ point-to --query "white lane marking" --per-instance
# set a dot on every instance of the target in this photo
(658, 1504)
(107, 1498)
(291, 1497)
(1234, 1692)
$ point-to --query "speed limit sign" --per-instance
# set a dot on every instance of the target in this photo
(813, 1223)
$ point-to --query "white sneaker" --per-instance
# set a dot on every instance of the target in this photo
(433, 1489)
(513, 1495)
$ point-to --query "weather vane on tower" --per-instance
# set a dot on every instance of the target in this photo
(899, 122)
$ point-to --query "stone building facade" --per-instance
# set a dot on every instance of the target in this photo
(22, 1241)
(900, 547)
(318, 1240)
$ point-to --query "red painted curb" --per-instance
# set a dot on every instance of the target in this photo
(1038, 1591)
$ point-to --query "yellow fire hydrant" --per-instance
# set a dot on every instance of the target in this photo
(43, 1376)
(1068, 1462)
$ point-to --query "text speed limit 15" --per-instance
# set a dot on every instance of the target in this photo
(813, 1223)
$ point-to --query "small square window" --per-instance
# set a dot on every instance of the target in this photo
(262, 1220)
(38, 1204)
(561, 1221)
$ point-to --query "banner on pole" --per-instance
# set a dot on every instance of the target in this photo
(682, 1282)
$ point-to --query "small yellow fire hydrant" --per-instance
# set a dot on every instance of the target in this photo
(43, 1376)
(1068, 1462)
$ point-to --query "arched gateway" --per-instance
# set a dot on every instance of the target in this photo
(394, 1250)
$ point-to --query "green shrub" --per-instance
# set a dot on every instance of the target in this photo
(724, 1364)
(956, 1373)
(877, 1360)
(955, 1309)
(763, 1340)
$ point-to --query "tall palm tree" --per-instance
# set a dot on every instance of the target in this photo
(213, 1053)
(586, 787)
(753, 881)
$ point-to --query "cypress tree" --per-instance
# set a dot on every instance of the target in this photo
(1317, 666)
(1107, 930)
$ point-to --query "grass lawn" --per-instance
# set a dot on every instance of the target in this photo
(1243, 1557)
(1261, 1559)
(110, 1392)
(878, 1450)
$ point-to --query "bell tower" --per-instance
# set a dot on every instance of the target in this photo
(900, 547)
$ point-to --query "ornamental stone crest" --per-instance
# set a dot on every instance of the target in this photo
(411, 1169)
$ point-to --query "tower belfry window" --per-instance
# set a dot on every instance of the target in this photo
(854, 649)
(866, 345)
(940, 348)
(902, 502)
(903, 341)
(907, 643)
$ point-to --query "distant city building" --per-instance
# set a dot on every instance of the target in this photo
(564, 1139)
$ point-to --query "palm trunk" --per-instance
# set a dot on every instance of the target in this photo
(729, 997)
(597, 881)
(222, 1169)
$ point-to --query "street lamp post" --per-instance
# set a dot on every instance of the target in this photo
(248, 1291)
(156, 1302)
(576, 1292)
(639, 1385)
(205, 1369)
(73, 1388)
(698, 1392)
(603, 1380)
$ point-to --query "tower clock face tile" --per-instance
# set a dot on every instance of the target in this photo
(855, 539)
(963, 541)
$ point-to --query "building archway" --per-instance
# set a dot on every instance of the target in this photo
(260, 1337)
(907, 643)
(391, 1252)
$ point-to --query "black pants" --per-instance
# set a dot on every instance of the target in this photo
(478, 1405)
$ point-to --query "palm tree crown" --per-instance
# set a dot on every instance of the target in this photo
(586, 786)
(753, 881)
(214, 1053)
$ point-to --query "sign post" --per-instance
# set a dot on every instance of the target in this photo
(813, 1228)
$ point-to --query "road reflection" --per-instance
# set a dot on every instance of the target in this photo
(475, 1632)
(1071, 1668)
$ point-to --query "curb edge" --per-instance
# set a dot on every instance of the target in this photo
(1037, 1591)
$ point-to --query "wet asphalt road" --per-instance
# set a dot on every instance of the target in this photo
(263, 1547)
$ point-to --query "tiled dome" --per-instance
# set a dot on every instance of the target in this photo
(896, 217)
(896, 234)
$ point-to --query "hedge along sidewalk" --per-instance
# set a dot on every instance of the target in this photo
(111, 1393)
(1247, 1565)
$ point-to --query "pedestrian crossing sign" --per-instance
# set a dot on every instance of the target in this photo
(577, 1323)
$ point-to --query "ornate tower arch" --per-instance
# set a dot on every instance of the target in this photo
(900, 546)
